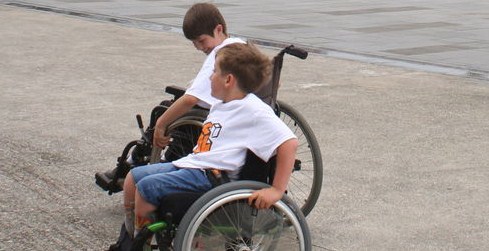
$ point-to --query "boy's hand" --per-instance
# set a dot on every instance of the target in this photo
(160, 139)
(265, 198)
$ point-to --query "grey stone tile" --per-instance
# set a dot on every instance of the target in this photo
(373, 10)
(219, 5)
(403, 27)
(283, 26)
(428, 49)
(460, 58)
(83, 1)
(158, 15)
(417, 30)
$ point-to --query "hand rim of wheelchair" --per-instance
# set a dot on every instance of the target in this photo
(194, 120)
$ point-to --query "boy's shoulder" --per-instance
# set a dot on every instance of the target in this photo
(230, 40)
(255, 105)
(250, 103)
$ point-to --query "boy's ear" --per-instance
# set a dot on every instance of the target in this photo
(218, 30)
(230, 80)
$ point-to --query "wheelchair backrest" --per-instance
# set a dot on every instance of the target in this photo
(257, 169)
(268, 91)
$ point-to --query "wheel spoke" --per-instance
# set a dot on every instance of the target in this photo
(305, 182)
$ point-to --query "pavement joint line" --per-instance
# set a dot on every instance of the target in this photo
(99, 17)
(341, 54)
(380, 60)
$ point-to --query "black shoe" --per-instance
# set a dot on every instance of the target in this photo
(124, 243)
(104, 180)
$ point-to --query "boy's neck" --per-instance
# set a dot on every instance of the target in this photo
(221, 37)
(234, 96)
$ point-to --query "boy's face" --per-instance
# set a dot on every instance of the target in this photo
(207, 43)
(218, 80)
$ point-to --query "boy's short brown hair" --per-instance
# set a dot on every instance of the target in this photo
(202, 18)
(250, 67)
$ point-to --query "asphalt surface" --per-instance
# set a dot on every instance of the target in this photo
(405, 151)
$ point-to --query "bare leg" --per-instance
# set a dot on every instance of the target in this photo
(142, 207)
(144, 212)
(129, 191)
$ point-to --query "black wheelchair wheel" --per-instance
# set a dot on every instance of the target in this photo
(222, 220)
(184, 132)
(306, 180)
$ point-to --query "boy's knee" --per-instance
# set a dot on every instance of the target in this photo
(143, 208)
(129, 181)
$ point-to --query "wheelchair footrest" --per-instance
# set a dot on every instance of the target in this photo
(106, 183)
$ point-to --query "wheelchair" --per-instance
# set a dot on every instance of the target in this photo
(221, 219)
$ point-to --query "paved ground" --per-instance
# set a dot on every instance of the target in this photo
(405, 152)
(448, 36)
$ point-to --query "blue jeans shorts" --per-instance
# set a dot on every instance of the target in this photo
(157, 180)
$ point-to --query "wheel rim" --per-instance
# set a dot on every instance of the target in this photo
(184, 139)
(184, 135)
(306, 180)
(228, 222)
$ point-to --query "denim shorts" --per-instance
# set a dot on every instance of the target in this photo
(158, 180)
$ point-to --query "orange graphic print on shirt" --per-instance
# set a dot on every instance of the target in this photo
(209, 130)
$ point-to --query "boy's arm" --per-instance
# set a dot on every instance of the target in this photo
(175, 111)
(266, 197)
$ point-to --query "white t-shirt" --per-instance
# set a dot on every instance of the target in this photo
(231, 129)
(201, 85)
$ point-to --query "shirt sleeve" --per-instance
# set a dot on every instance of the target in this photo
(269, 132)
(201, 85)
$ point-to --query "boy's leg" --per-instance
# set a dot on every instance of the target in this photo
(151, 189)
(130, 189)
(154, 187)
(144, 213)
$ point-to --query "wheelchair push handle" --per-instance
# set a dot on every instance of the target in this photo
(297, 52)
(140, 125)
(140, 121)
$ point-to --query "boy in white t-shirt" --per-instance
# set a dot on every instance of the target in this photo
(204, 25)
(238, 123)
(206, 28)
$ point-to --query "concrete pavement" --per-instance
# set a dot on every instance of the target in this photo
(449, 37)
(405, 152)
